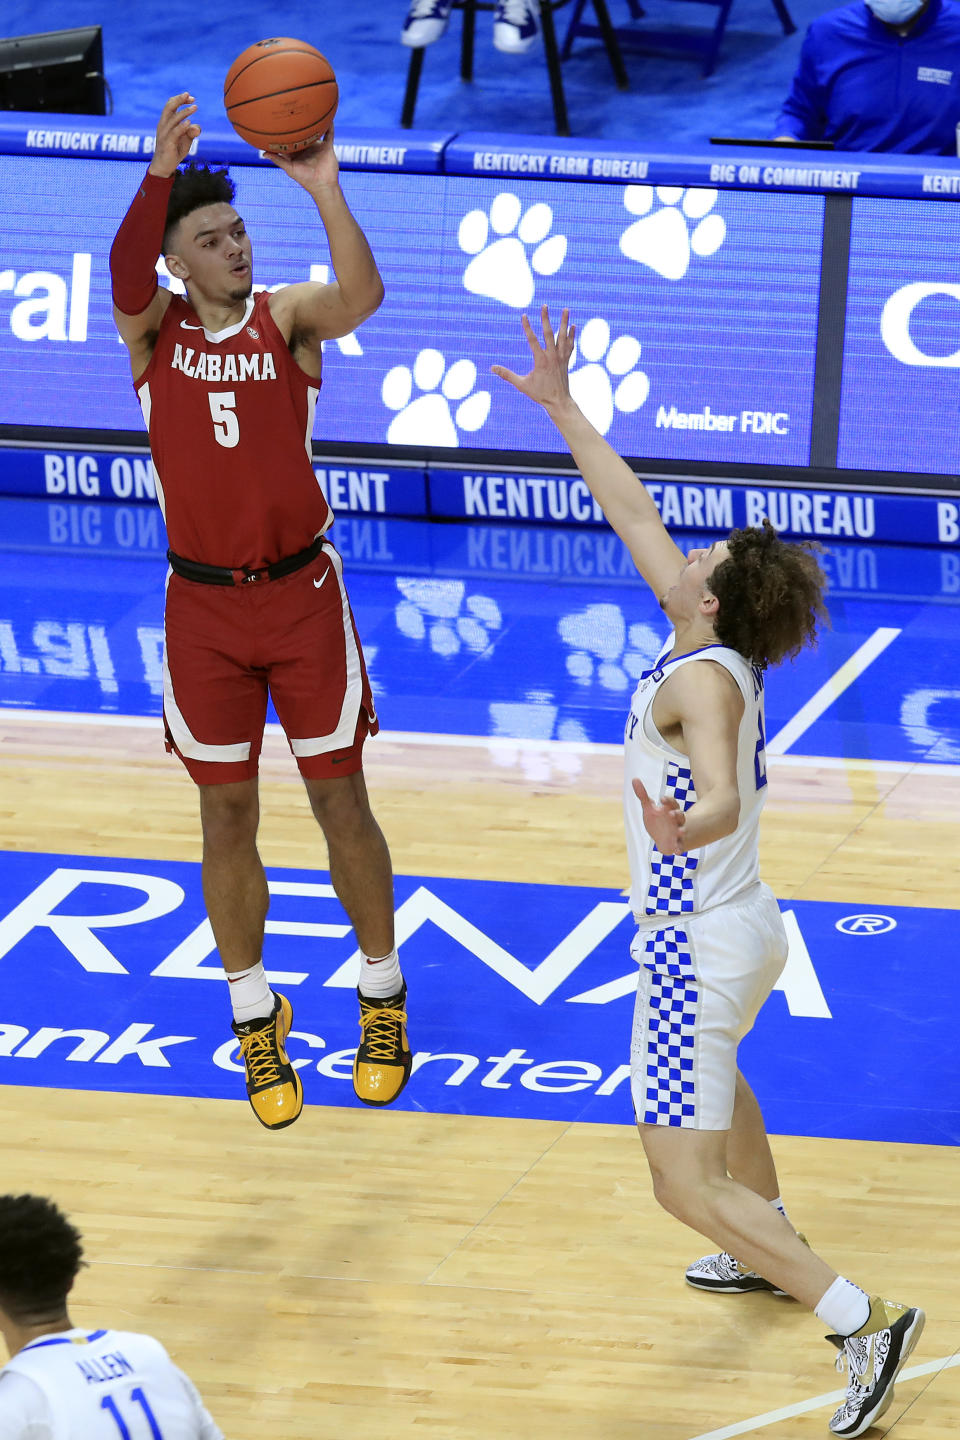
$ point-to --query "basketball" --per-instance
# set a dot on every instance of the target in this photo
(280, 95)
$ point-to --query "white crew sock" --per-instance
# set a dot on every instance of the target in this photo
(379, 979)
(845, 1307)
(779, 1205)
(250, 995)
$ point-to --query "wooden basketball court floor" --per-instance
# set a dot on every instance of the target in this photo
(366, 1274)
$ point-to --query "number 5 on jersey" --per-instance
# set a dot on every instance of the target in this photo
(226, 427)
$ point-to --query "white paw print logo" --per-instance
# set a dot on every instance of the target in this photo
(602, 648)
(442, 611)
(501, 269)
(666, 238)
(428, 419)
(521, 735)
(610, 380)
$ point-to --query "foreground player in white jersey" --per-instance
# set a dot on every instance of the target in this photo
(64, 1383)
(710, 940)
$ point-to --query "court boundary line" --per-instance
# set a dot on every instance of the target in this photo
(477, 742)
(832, 689)
(789, 1412)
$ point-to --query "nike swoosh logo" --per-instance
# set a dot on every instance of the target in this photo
(185, 326)
(318, 583)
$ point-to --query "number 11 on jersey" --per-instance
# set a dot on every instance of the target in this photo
(110, 1405)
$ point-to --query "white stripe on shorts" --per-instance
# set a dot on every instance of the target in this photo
(185, 741)
(342, 737)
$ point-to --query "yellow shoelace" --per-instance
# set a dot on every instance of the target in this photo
(259, 1052)
(381, 1033)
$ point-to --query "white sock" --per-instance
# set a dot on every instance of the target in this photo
(381, 978)
(250, 995)
(845, 1307)
(779, 1205)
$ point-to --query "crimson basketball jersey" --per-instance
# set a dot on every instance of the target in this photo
(230, 418)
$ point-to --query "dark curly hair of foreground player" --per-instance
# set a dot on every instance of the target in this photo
(40, 1255)
(771, 595)
(193, 187)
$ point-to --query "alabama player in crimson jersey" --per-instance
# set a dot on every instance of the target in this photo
(228, 383)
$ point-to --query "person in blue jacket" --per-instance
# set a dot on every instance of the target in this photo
(879, 75)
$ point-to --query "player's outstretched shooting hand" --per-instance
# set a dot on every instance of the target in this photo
(176, 132)
(314, 168)
(663, 822)
(547, 382)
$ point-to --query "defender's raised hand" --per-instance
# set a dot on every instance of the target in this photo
(176, 132)
(547, 382)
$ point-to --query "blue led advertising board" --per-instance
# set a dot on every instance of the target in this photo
(901, 358)
(696, 308)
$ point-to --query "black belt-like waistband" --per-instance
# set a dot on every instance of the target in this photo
(222, 575)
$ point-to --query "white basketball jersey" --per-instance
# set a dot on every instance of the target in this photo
(718, 872)
(99, 1385)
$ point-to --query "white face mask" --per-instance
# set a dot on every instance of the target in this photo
(895, 12)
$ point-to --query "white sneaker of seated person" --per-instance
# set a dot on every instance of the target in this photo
(426, 21)
(516, 24)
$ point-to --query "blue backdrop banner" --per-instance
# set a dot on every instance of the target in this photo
(680, 352)
(694, 281)
(704, 505)
(512, 156)
(107, 137)
(899, 407)
(126, 475)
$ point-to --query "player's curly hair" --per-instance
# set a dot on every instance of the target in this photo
(40, 1255)
(771, 595)
(193, 187)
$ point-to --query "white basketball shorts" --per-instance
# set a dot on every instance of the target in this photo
(703, 979)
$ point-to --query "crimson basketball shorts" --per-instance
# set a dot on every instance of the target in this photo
(227, 646)
(703, 979)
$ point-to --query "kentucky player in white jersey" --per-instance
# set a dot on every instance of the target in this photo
(710, 942)
(65, 1383)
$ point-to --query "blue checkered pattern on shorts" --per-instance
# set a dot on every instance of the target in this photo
(670, 891)
(671, 1019)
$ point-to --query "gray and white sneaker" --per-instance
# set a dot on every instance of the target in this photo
(874, 1355)
(516, 24)
(727, 1276)
(426, 21)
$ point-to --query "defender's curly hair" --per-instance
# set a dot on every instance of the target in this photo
(193, 187)
(770, 594)
(40, 1255)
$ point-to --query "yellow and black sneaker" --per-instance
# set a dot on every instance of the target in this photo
(382, 1066)
(273, 1086)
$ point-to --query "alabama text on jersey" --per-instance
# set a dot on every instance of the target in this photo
(230, 418)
